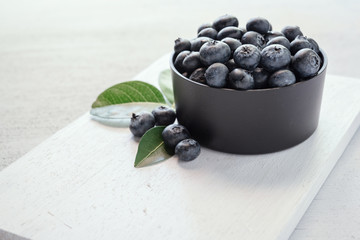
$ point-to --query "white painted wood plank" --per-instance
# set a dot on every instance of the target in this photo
(81, 184)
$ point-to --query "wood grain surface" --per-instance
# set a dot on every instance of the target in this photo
(81, 183)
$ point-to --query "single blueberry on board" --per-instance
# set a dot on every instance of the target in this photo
(164, 116)
(173, 134)
(187, 150)
(139, 124)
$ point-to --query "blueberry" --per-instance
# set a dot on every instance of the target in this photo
(314, 45)
(204, 25)
(233, 32)
(198, 75)
(188, 150)
(241, 79)
(178, 63)
(208, 32)
(214, 51)
(299, 43)
(279, 40)
(258, 24)
(231, 65)
(192, 62)
(181, 44)
(216, 75)
(225, 21)
(139, 124)
(272, 34)
(275, 57)
(291, 32)
(173, 134)
(196, 43)
(306, 63)
(260, 76)
(232, 43)
(247, 56)
(282, 78)
(164, 116)
(253, 38)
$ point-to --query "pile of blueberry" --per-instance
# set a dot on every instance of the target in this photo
(176, 137)
(225, 55)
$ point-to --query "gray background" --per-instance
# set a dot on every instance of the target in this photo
(57, 56)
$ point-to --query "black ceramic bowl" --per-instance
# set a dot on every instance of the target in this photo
(252, 121)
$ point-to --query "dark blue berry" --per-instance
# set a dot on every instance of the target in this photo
(253, 38)
(260, 76)
(299, 43)
(233, 32)
(198, 75)
(291, 32)
(258, 24)
(139, 124)
(275, 57)
(216, 75)
(181, 44)
(241, 79)
(225, 21)
(247, 56)
(196, 43)
(214, 51)
(282, 78)
(192, 62)
(204, 25)
(231, 65)
(173, 134)
(272, 34)
(314, 45)
(208, 32)
(279, 40)
(187, 150)
(306, 63)
(178, 63)
(232, 43)
(164, 116)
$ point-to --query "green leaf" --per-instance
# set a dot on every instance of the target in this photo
(151, 148)
(165, 83)
(127, 92)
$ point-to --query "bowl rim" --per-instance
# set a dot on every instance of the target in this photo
(321, 70)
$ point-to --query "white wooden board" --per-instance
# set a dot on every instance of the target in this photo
(81, 183)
